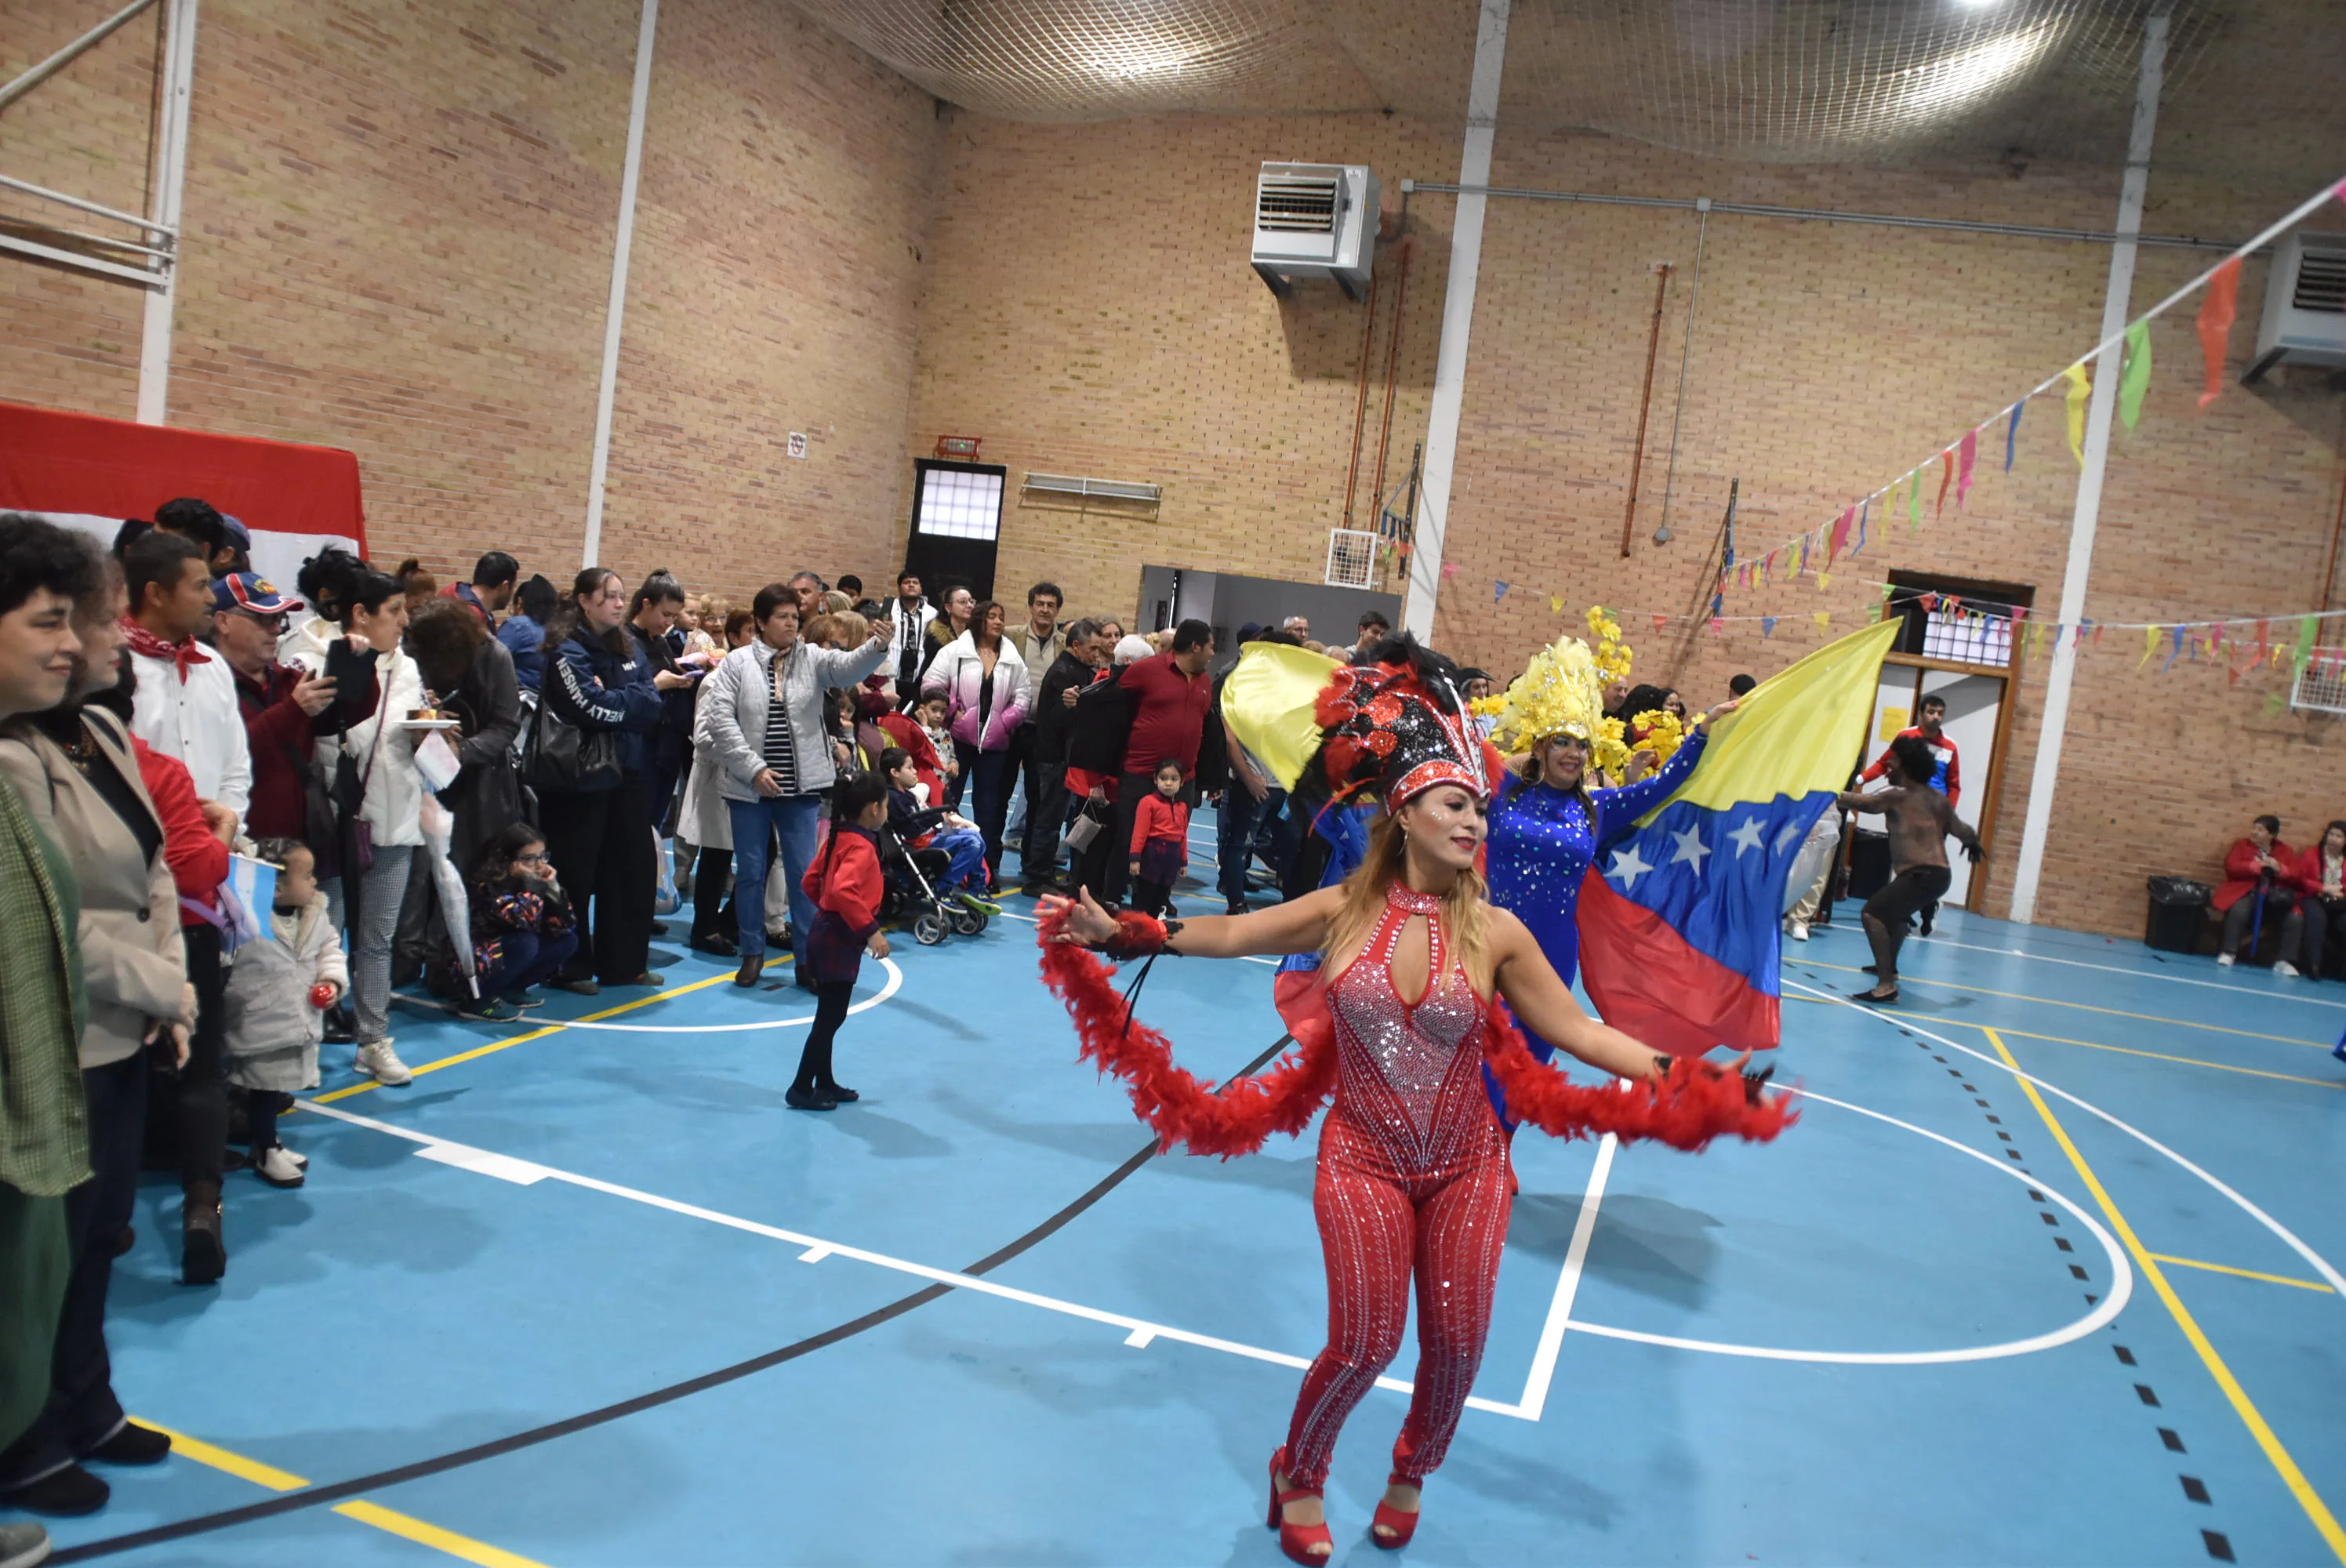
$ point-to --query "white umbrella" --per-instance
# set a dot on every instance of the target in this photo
(448, 884)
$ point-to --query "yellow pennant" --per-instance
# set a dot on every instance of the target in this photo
(2080, 389)
(1555, 604)
(1824, 581)
(1824, 619)
(2149, 646)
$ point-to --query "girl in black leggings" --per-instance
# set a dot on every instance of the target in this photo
(845, 882)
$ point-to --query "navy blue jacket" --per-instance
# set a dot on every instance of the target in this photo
(596, 688)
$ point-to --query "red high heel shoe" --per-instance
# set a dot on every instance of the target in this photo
(1297, 1539)
(1402, 1525)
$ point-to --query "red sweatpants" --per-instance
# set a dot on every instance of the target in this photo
(1377, 1230)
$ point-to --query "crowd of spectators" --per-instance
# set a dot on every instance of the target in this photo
(462, 795)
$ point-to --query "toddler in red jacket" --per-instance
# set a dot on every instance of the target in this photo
(1160, 841)
(845, 882)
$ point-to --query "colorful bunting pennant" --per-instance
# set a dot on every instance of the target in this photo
(1839, 540)
(1767, 626)
(2216, 310)
(2012, 433)
(1864, 511)
(1946, 476)
(1499, 591)
(2134, 379)
(2080, 389)
(2149, 646)
(2176, 654)
(1823, 619)
(1449, 570)
(1555, 604)
(1969, 454)
(1914, 501)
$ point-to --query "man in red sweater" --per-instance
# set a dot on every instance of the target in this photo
(280, 705)
(1946, 778)
(2261, 872)
(1170, 693)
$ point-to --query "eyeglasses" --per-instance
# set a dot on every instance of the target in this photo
(537, 859)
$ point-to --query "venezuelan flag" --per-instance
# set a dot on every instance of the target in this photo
(1680, 925)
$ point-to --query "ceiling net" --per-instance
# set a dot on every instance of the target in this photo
(1788, 80)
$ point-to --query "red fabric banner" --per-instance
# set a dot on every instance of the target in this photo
(85, 469)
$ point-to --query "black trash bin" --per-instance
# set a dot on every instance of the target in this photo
(2178, 910)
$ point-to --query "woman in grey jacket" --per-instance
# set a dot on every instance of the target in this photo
(760, 726)
(80, 782)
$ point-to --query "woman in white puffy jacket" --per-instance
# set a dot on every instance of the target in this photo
(987, 691)
(377, 751)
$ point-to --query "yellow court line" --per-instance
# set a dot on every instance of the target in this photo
(2081, 1006)
(2090, 1045)
(493, 1046)
(2245, 1273)
(404, 1525)
(2291, 1476)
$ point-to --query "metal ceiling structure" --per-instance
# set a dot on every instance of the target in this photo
(1787, 81)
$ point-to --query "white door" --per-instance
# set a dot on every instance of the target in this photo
(1972, 701)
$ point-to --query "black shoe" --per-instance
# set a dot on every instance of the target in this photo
(778, 939)
(579, 987)
(1928, 920)
(840, 1093)
(126, 1241)
(1238, 907)
(752, 969)
(69, 1492)
(1872, 969)
(722, 946)
(133, 1444)
(1043, 888)
(659, 928)
(803, 983)
(342, 1024)
(808, 1100)
(203, 1255)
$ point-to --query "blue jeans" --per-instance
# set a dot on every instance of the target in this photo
(967, 848)
(793, 820)
(1234, 824)
(526, 958)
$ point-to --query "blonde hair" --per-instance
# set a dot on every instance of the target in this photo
(833, 602)
(839, 628)
(1464, 908)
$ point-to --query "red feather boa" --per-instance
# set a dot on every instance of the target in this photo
(1693, 1102)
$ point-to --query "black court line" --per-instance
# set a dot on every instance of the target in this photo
(337, 1491)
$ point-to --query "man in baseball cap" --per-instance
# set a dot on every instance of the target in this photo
(284, 710)
(250, 594)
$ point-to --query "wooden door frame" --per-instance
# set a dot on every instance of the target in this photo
(2006, 676)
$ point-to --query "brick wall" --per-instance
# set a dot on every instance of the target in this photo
(399, 221)
(1091, 312)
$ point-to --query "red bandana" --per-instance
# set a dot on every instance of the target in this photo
(146, 645)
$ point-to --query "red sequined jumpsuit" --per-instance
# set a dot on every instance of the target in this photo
(1413, 1179)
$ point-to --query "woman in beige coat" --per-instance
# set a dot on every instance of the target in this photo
(74, 769)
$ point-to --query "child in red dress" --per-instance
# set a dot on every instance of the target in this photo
(1160, 841)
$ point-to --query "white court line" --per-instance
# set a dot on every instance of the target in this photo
(1138, 1332)
(1567, 1284)
(2291, 995)
(2288, 1236)
(535, 1025)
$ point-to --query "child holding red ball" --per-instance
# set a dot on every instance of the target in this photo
(278, 993)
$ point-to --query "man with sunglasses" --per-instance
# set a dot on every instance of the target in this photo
(284, 710)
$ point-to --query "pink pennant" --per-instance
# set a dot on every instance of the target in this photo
(1716, 622)
(1963, 475)
(1658, 621)
(1449, 569)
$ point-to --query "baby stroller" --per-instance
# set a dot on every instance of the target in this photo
(909, 886)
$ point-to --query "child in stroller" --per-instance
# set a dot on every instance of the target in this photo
(943, 852)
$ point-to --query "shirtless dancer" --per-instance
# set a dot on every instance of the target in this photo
(1919, 820)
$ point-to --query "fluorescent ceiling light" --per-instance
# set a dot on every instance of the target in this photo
(1955, 79)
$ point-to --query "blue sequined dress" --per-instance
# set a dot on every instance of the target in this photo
(1541, 843)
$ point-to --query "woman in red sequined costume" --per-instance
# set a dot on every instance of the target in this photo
(1414, 1178)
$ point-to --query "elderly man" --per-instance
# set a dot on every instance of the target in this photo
(1086, 654)
(1170, 694)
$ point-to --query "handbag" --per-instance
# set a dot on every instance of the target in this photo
(567, 759)
(316, 798)
(1085, 828)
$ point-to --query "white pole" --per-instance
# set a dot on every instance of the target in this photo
(171, 187)
(615, 314)
(2045, 776)
(1433, 520)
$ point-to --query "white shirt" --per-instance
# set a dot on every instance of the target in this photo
(196, 722)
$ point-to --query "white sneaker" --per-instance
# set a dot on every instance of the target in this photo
(277, 1167)
(1799, 931)
(382, 1064)
(2285, 969)
(2225, 961)
(300, 1161)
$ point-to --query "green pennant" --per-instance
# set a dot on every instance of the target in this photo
(2273, 704)
(2307, 629)
(2134, 380)
(1914, 501)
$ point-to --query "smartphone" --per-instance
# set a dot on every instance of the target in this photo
(348, 669)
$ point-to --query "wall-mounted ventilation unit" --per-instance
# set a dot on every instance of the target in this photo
(1315, 220)
(2305, 305)
(1070, 493)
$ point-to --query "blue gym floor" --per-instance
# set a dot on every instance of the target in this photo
(1889, 1338)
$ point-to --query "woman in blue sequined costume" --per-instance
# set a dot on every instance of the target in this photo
(1547, 828)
